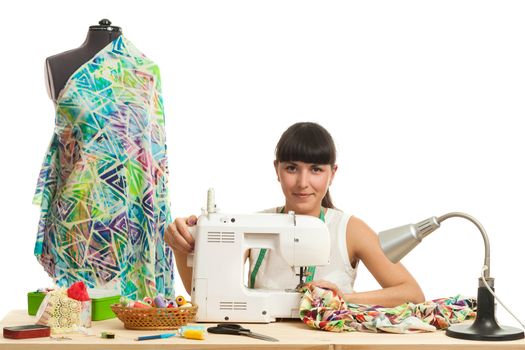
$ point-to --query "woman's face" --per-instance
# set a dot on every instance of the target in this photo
(304, 184)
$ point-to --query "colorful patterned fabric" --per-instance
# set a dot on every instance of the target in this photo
(323, 309)
(103, 185)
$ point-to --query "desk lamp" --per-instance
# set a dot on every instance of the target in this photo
(397, 242)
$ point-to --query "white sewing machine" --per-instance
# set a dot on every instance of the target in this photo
(221, 241)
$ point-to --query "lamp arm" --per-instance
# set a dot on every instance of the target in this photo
(486, 272)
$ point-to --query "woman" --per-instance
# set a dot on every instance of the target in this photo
(305, 165)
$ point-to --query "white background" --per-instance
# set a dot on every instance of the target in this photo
(425, 100)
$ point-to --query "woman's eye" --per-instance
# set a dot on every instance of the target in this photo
(317, 170)
(290, 168)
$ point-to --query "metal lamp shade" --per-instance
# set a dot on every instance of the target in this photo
(397, 242)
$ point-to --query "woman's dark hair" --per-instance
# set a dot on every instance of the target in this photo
(310, 143)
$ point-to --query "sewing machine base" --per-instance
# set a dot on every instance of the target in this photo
(260, 306)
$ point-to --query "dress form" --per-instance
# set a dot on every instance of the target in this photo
(61, 66)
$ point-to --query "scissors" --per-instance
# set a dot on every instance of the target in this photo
(237, 329)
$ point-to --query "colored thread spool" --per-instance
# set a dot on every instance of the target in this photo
(126, 302)
(171, 304)
(140, 305)
(107, 335)
(180, 300)
(159, 301)
(148, 300)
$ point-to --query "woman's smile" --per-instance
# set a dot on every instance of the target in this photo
(302, 195)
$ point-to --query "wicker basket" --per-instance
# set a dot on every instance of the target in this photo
(154, 318)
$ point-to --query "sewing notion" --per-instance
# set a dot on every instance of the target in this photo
(107, 335)
(236, 329)
(27, 331)
(188, 332)
(154, 313)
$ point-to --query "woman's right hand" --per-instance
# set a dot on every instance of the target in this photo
(178, 236)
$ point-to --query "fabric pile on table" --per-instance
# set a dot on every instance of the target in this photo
(323, 309)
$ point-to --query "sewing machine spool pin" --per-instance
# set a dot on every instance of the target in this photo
(292, 213)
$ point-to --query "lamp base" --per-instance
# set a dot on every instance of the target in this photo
(485, 326)
(497, 333)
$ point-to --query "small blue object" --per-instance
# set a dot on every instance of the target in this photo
(157, 336)
(194, 328)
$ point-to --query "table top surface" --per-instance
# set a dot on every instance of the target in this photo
(291, 335)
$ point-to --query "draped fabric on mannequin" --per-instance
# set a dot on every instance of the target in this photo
(103, 185)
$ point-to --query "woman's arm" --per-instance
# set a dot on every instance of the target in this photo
(398, 285)
(185, 272)
(177, 236)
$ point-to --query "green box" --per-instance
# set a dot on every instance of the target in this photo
(101, 307)
(34, 299)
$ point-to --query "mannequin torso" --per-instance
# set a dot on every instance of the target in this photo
(61, 66)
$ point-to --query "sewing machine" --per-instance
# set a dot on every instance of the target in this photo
(221, 241)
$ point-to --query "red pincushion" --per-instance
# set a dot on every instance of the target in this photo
(78, 291)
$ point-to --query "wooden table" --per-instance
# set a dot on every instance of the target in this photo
(291, 335)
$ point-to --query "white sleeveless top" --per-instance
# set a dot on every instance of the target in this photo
(274, 272)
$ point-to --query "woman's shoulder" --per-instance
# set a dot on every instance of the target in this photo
(357, 223)
(359, 232)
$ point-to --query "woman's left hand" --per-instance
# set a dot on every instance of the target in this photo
(327, 285)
